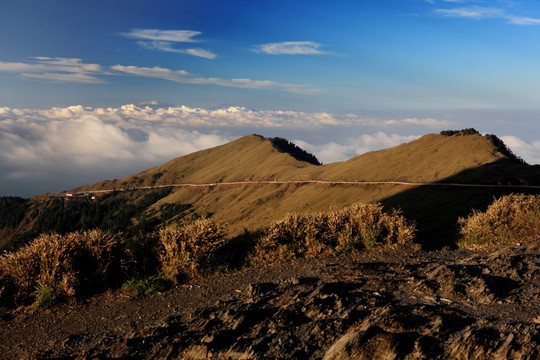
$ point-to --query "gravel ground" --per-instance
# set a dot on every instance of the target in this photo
(391, 304)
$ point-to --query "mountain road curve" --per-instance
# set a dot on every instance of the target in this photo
(328, 182)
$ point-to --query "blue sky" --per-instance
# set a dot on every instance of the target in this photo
(340, 77)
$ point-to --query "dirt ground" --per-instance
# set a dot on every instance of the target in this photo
(383, 304)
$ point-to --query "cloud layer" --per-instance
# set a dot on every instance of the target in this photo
(59, 148)
(353, 146)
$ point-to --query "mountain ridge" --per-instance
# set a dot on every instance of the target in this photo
(431, 158)
(269, 183)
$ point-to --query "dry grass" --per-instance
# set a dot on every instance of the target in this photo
(430, 158)
(510, 219)
(353, 228)
(187, 251)
(61, 266)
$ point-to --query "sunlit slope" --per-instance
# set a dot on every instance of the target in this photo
(248, 158)
(433, 158)
(429, 159)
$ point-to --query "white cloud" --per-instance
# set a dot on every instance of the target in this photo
(75, 146)
(56, 69)
(530, 152)
(519, 20)
(182, 76)
(473, 12)
(155, 114)
(70, 146)
(167, 47)
(75, 71)
(163, 40)
(429, 122)
(163, 35)
(481, 12)
(200, 53)
(354, 146)
(290, 48)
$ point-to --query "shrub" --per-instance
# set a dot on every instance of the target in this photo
(509, 219)
(285, 146)
(56, 266)
(350, 229)
(47, 295)
(468, 131)
(187, 251)
(145, 286)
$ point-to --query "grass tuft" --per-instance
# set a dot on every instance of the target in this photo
(56, 266)
(510, 219)
(187, 251)
(146, 286)
(354, 228)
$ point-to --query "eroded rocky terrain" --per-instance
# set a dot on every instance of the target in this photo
(383, 304)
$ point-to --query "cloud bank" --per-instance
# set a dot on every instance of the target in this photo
(48, 150)
(354, 146)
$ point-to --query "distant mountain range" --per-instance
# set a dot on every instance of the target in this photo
(252, 181)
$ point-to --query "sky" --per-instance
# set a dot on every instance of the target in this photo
(101, 89)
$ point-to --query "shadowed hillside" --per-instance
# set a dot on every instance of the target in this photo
(436, 209)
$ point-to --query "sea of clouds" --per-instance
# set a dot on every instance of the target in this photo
(53, 149)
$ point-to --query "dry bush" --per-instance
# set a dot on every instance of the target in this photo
(510, 219)
(186, 251)
(57, 266)
(353, 228)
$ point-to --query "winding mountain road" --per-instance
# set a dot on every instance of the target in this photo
(326, 182)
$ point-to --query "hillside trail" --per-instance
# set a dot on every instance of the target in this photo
(323, 182)
(403, 304)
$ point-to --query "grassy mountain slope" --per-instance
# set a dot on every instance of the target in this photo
(429, 159)
(470, 158)
(459, 158)
(248, 158)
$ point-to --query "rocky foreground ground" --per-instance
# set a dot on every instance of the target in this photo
(464, 304)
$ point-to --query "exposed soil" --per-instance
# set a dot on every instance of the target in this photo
(464, 304)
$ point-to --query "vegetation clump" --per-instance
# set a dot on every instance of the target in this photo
(55, 266)
(187, 251)
(145, 286)
(354, 228)
(12, 210)
(510, 219)
(468, 131)
(285, 146)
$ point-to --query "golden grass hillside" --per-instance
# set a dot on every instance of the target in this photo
(429, 159)
(432, 158)
(248, 158)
